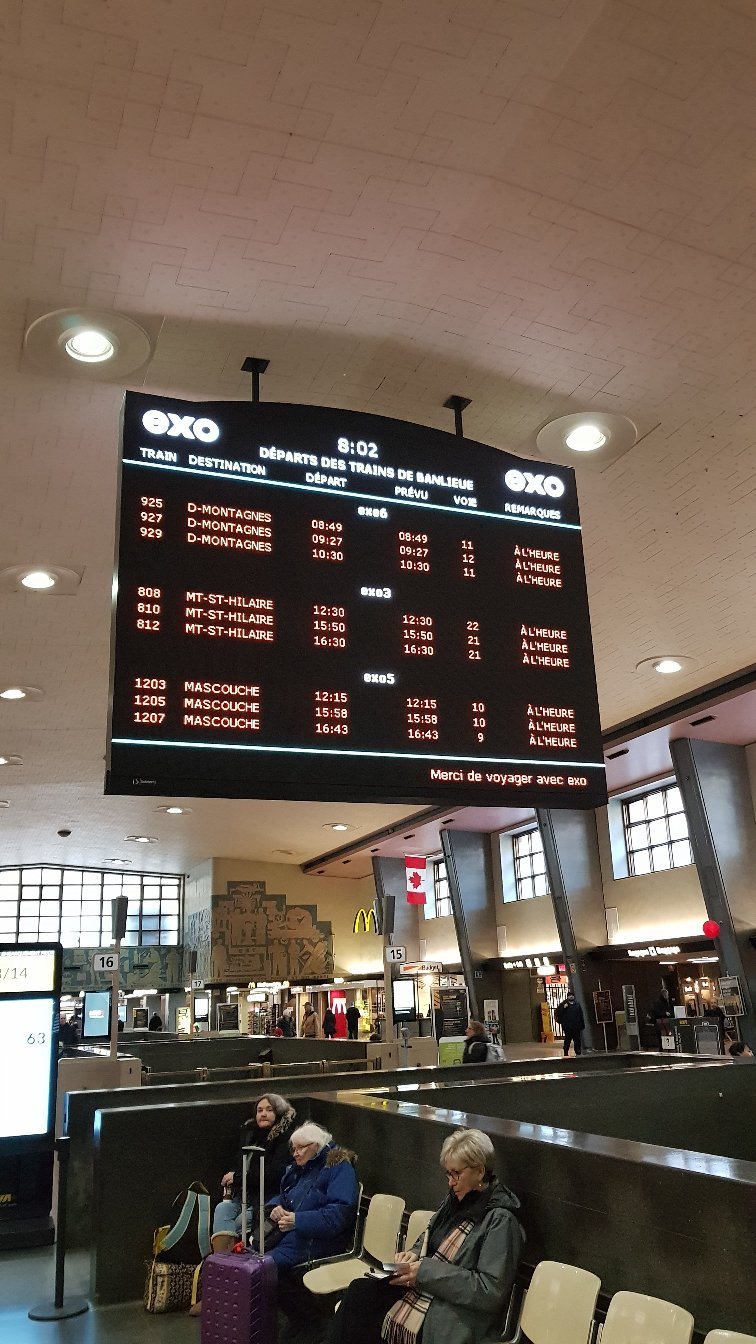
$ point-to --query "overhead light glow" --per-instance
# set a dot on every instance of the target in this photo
(13, 693)
(175, 811)
(337, 826)
(39, 579)
(142, 839)
(90, 346)
(668, 665)
(585, 438)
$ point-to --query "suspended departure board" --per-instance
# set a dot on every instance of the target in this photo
(323, 604)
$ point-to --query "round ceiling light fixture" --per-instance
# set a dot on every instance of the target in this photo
(38, 579)
(21, 692)
(585, 438)
(87, 342)
(173, 809)
(120, 863)
(142, 839)
(11, 760)
(89, 346)
(338, 826)
(56, 580)
(666, 664)
(599, 437)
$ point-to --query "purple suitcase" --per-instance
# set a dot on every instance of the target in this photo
(239, 1290)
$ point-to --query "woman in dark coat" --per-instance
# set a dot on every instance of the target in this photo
(270, 1128)
(452, 1288)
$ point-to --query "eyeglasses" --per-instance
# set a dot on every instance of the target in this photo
(452, 1174)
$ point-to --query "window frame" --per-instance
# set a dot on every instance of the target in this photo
(532, 853)
(434, 901)
(628, 825)
(55, 886)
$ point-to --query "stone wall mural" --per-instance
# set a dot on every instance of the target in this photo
(197, 938)
(141, 968)
(256, 936)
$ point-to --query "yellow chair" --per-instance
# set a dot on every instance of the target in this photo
(379, 1241)
(417, 1226)
(633, 1318)
(728, 1337)
(559, 1305)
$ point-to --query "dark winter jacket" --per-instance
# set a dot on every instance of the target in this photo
(570, 1017)
(476, 1049)
(323, 1195)
(329, 1023)
(469, 1295)
(275, 1141)
(287, 1025)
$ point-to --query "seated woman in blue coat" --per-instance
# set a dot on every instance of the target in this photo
(316, 1208)
(314, 1215)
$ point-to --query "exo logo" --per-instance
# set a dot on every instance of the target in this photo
(180, 426)
(520, 481)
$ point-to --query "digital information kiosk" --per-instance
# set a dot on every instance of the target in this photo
(315, 603)
(30, 977)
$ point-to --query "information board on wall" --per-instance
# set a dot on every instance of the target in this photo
(314, 603)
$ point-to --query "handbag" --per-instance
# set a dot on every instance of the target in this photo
(177, 1254)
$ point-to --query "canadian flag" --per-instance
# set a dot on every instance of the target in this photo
(417, 878)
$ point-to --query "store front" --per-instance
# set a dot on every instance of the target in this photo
(532, 989)
(687, 969)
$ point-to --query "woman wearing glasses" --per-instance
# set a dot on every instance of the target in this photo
(455, 1289)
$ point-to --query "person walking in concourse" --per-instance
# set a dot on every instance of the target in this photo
(569, 1015)
(353, 1021)
(329, 1024)
(477, 1043)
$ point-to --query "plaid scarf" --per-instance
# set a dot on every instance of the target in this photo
(403, 1323)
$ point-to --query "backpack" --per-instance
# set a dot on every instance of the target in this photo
(177, 1254)
(494, 1054)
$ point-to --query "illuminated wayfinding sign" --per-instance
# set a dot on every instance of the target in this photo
(314, 603)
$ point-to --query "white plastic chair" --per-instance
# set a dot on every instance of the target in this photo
(559, 1304)
(417, 1226)
(633, 1318)
(379, 1242)
(728, 1337)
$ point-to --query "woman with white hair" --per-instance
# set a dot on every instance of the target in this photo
(455, 1289)
(315, 1210)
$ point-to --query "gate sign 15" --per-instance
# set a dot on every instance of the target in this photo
(321, 604)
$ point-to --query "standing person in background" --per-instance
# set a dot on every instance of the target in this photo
(569, 1015)
(310, 1023)
(155, 1023)
(286, 1022)
(329, 1024)
(353, 1021)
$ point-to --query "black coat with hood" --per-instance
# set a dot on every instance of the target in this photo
(275, 1141)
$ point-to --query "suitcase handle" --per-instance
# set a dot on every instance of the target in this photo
(248, 1152)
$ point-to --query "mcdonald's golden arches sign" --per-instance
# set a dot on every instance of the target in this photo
(363, 921)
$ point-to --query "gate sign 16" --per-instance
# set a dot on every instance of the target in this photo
(321, 604)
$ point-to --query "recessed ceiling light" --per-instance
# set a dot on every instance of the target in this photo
(93, 344)
(53, 579)
(173, 810)
(283, 851)
(666, 664)
(585, 438)
(90, 346)
(705, 718)
(21, 693)
(584, 432)
(11, 760)
(142, 839)
(38, 579)
(338, 826)
(122, 863)
(4, 802)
